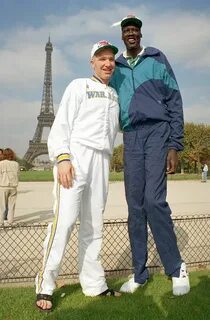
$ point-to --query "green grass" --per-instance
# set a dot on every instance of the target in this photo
(153, 302)
(186, 176)
(36, 176)
(114, 176)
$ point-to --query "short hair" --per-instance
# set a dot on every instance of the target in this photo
(9, 154)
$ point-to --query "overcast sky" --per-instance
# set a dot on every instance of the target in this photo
(181, 29)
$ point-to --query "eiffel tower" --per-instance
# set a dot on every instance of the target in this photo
(37, 146)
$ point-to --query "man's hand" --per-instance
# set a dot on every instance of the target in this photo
(172, 161)
(66, 174)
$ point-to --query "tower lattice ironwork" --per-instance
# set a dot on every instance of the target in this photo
(37, 146)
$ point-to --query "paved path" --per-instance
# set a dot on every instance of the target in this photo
(35, 200)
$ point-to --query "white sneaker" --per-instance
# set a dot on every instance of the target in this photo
(181, 285)
(131, 286)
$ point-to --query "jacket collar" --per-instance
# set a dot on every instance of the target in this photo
(148, 51)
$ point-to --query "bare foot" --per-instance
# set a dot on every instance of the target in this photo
(110, 292)
(117, 294)
(44, 304)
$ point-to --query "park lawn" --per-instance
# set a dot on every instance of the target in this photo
(152, 302)
(118, 176)
(27, 176)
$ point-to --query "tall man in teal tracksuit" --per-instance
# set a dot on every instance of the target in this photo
(151, 118)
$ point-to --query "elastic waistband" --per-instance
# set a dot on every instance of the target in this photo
(143, 124)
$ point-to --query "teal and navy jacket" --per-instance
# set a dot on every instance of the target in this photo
(149, 92)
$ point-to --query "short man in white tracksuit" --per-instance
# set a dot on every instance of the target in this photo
(81, 141)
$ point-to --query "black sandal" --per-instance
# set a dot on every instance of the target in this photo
(46, 297)
(109, 293)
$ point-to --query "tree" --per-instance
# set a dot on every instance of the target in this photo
(117, 159)
(196, 145)
(24, 163)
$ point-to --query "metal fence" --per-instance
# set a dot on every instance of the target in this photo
(21, 248)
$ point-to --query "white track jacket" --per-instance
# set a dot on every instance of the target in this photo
(88, 114)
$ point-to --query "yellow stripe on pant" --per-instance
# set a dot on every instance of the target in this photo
(52, 235)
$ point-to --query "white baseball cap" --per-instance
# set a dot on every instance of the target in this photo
(103, 44)
(128, 20)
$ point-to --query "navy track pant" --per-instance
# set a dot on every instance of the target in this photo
(145, 153)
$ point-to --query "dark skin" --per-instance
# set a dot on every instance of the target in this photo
(172, 161)
(131, 36)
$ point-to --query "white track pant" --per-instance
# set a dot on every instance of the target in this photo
(85, 200)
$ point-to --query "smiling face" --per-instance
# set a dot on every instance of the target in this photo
(131, 35)
(103, 64)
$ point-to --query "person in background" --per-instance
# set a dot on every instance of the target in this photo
(9, 171)
(1, 154)
(151, 118)
(1, 158)
(204, 169)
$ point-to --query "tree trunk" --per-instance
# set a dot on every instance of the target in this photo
(182, 167)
